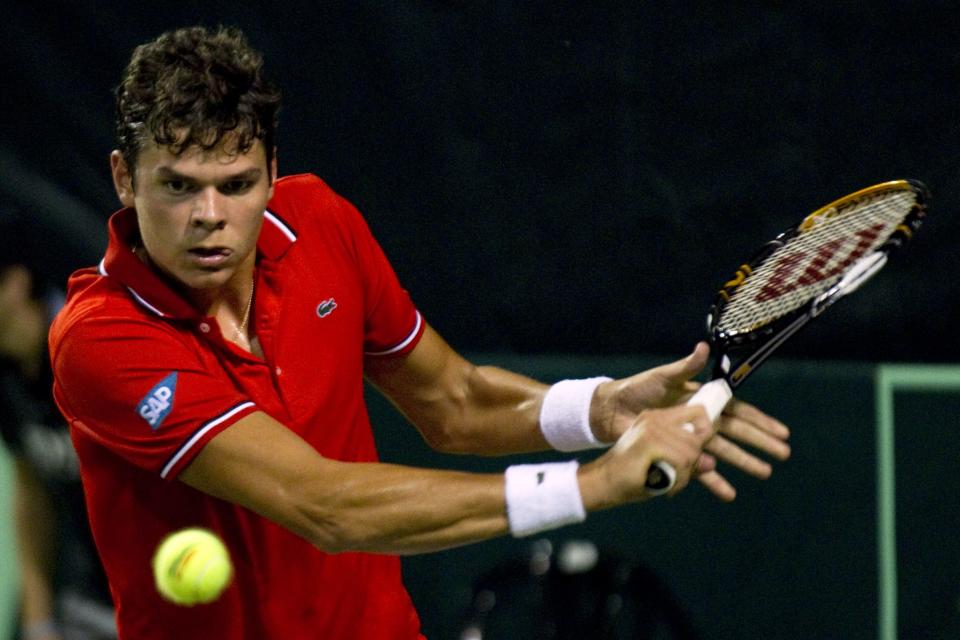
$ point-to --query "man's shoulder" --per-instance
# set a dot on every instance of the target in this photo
(93, 300)
(90, 289)
(302, 189)
(306, 201)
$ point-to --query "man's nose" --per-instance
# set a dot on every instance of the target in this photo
(208, 210)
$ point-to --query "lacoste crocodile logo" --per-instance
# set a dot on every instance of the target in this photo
(326, 307)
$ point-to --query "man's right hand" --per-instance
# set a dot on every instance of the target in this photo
(619, 476)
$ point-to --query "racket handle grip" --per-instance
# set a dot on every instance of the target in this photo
(713, 397)
(661, 476)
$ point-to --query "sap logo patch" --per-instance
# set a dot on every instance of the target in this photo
(326, 307)
(158, 402)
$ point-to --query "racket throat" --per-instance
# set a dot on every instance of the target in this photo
(744, 368)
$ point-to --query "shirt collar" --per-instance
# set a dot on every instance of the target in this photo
(145, 284)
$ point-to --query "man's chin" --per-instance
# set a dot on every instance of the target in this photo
(201, 281)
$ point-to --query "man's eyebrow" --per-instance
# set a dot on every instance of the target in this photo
(165, 172)
(249, 174)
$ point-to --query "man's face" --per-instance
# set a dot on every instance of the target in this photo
(199, 212)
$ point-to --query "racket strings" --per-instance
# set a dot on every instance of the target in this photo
(814, 258)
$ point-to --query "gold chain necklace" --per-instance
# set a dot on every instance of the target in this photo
(242, 329)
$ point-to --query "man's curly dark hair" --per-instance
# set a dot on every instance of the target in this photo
(196, 88)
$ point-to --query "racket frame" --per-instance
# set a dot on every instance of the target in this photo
(761, 342)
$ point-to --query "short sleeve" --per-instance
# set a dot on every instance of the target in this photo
(143, 390)
(392, 324)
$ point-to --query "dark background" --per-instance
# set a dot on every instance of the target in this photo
(548, 177)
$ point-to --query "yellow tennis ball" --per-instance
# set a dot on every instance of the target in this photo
(192, 566)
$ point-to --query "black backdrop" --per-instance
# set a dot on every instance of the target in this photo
(548, 176)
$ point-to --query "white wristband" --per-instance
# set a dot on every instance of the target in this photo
(565, 415)
(542, 497)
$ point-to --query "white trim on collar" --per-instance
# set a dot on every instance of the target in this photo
(279, 224)
(149, 306)
(102, 268)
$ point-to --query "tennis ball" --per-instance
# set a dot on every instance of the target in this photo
(191, 566)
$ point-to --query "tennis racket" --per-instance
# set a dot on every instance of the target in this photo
(792, 280)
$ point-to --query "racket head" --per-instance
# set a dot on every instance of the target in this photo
(794, 277)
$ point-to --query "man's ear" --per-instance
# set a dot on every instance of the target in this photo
(122, 178)
(273, 170)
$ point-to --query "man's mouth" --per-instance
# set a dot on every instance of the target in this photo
(209, 251)
(210, 256)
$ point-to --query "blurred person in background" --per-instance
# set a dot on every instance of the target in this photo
(63, 590)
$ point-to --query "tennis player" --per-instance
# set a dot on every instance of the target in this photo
(211, 369)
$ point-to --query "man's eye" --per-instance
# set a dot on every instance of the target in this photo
(236, 186)
(176, 186)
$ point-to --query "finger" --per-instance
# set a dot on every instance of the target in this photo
(738, 457)
(751, 414)
(698, 461)
(687, 367)
(718, 486)
(684, 475)
(678, 415)
(698, 424)
(705, 464)
(683, 456)
(753, 435)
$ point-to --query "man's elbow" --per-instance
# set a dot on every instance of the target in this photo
(330, 537)
(315, 520)
(448, 438)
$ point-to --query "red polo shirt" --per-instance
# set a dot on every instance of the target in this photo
(145, 382)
